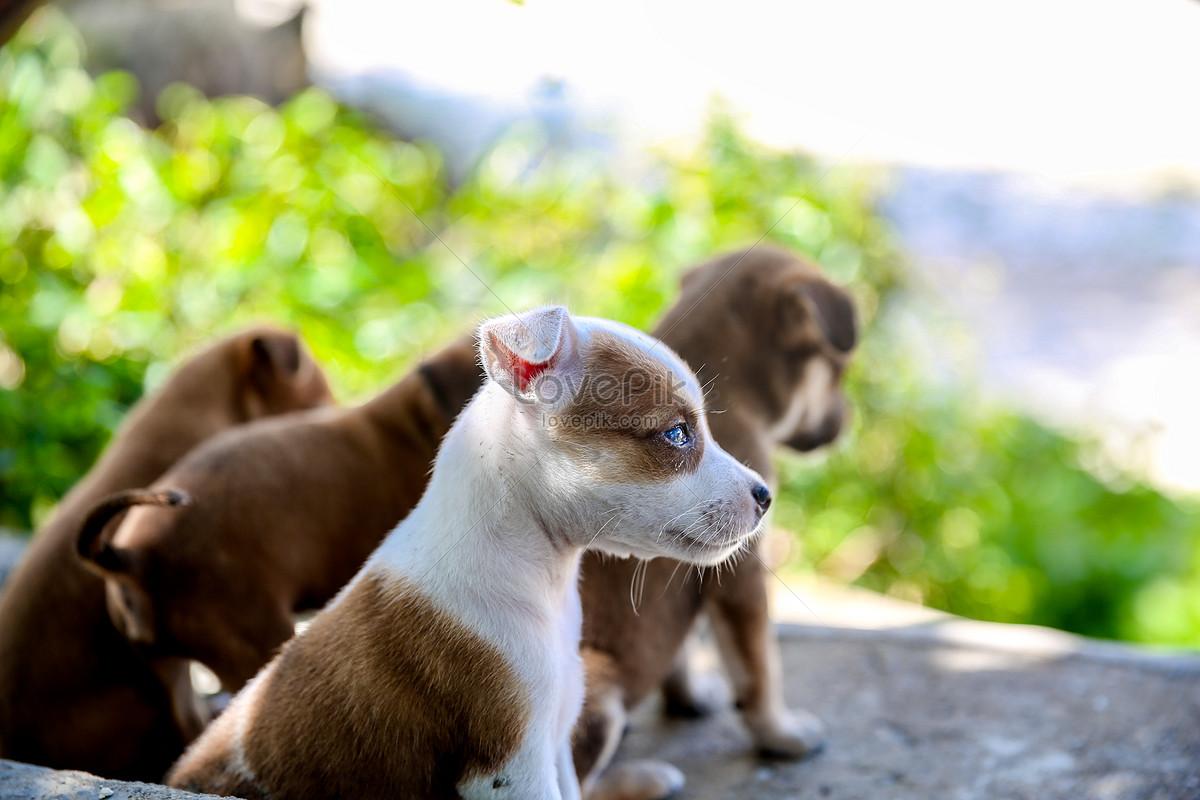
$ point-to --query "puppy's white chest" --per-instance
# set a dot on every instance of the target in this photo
(570, 665)
(545, 653)
(550, 664)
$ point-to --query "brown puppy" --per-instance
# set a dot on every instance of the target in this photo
(73, 692)
(271, 519)
(772, 336)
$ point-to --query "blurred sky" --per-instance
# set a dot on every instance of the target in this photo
(1041, 146)
(1064, 88)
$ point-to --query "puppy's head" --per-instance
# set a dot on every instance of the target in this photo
(129, 600)
(773, 336)
(278, 373)
(172, 586)
(259, 372)
(609, 443)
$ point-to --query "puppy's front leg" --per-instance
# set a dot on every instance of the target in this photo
(190, 714)
(597, 734)
(685, 696)
(601, 722)
(568, 781)
(741, 623)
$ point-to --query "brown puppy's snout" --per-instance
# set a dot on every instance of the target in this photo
(762, 498)
(826, 432)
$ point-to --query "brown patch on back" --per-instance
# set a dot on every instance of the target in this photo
(385, 695)
(628, 397)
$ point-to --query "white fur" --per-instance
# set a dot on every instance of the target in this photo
(237, 717)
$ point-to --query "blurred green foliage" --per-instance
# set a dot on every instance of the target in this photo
(121, 249)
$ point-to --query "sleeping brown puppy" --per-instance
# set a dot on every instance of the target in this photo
(773, 337)
(219, 553)
(73, 692)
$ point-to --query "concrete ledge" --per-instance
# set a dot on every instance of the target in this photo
(25, 782)
(938, 707)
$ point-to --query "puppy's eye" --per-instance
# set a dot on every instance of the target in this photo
(680, 435)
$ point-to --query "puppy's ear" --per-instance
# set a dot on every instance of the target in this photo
(690, 279)
(453, 376)
(833, 311)
(533, 355)
(273, 355)
(281, 375)
(94, 544)
(124, 571)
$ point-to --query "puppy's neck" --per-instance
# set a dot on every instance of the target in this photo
(476, 527)
(404, 415)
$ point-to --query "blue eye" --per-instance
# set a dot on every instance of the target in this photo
(680, 435)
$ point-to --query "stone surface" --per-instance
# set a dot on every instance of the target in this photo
(22, 781)
(919, 705)
(948, 708)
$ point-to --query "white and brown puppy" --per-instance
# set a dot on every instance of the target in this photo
(449, 667)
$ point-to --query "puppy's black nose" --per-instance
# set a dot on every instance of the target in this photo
(762, 496)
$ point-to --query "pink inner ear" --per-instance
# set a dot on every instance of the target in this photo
(524, 372)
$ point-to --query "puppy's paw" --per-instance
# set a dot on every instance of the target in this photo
(637, 780)
(790, 734)
(699, 696)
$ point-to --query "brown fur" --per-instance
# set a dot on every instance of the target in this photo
(73, 692)
(281, 515)
(424, 718)
(626, 399)
(749, 323)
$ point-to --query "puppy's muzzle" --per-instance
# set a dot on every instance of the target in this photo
(825, 432)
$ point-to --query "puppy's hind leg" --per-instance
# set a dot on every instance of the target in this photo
(741, 623)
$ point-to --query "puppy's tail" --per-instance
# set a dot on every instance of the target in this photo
(92, 548)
